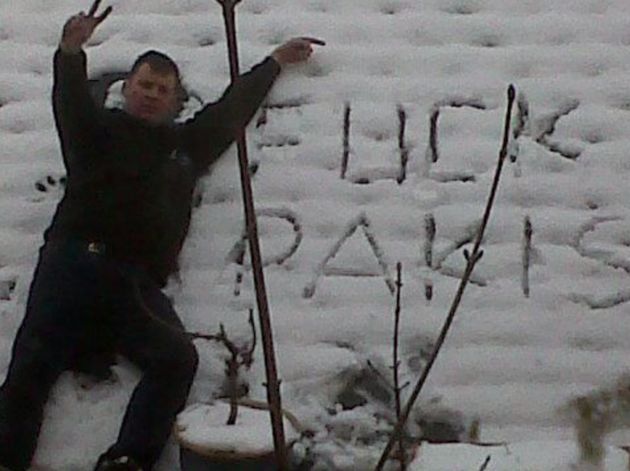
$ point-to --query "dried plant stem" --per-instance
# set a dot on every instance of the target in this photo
(428, 290)
(402, 146)
(239, 356)
(346, 140)
(231, 372)
(433, 135)
(396, 366)
(527, 249)
(429, 229)
(485, 464)
(240, 261)
(472, 259)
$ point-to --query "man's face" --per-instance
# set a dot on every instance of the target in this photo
(151, 96)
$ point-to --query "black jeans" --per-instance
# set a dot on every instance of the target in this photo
(84, 304)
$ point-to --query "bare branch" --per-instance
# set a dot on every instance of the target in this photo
(247, 357)
(346, 140)
(396, 366)
(433, 135)
(527, 250)
(402, 146)
(430, 230)
(428, 290)
(473, 258)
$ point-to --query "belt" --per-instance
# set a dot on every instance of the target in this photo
(102, 249)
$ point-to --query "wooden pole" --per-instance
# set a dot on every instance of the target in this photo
(273, 384)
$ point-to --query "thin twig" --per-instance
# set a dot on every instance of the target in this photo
(472, 259)
(239, 356)
(402, 147)
(527, 249)
(485, 463)
(433, 135)
(396, 365)
(248, 356)
(429, 229)
(428, 289)
(231, 372)
(346, 140)
(239, 250)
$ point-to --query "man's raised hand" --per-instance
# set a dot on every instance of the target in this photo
(79, 28)
(295, 50)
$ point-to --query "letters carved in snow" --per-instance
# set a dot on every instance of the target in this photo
(433, 253)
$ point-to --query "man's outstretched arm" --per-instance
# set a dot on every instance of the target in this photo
(212, 130)
(74, 110)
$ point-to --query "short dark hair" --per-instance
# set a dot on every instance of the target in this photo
(162, 64)
(158, 61)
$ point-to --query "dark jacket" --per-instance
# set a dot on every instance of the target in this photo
(130, 184)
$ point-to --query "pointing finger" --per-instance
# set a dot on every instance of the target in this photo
(94, 7)
(301, 45)
(315, 41)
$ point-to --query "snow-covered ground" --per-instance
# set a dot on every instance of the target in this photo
(524, 456)
(511, 362)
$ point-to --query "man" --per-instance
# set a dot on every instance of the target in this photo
(115, 238)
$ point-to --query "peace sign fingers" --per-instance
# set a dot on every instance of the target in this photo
(79, 28)
(100, 18)
(94, 7)
(105, 14)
